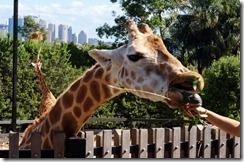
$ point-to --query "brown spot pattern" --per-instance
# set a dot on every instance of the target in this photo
(47, 127)
(99, 73)
(55, 113)
(75, 85)
(122, 72)
(107, 78)
(88, 104)
(128, 81)
(77, 111)
(133, 75)
(95, 90)
(140, 80)
(88, 76)
(67, 99)
(106, 91)
(109, 68)
(81, 94)
(126, 72)
(69, 124)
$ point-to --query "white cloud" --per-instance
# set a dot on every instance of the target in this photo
(77, 14)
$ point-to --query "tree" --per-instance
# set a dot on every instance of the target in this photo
(30, 26)
(158, 14)
(206, 31)
(222, 87)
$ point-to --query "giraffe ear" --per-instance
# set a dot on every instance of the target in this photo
(103, 57)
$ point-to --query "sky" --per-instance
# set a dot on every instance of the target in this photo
(84, 15)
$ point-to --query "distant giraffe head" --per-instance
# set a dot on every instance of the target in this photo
(37, 36)
(146, 64)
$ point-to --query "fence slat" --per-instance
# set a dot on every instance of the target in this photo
(222, 144)
(13, 144)
(192, 147)
(89, 144)
(107, 147)
(143, 139)
(36, 145)
(206, 142)
(236, 147)
(117, 139)
(159, 142)
(168, 139)
(176, 142)
(58, 144)
(125, 144)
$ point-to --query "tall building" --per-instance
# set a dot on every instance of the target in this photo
(11, 26)
(93, 41)
(3, 29)
(51, 32)
(63, 33)
(82, 37)
(42, 23)
(70, 34)
(74, 38)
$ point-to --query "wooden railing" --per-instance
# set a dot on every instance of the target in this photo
(198, 142)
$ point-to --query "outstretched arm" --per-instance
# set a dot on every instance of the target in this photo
(226, 124)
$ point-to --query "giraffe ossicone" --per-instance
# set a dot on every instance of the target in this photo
(144, 65)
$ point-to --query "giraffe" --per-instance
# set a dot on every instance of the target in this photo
(144, 64)
(48, 99)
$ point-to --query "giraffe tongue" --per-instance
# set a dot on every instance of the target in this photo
(191, 98)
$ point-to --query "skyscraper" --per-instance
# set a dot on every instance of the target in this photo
(63, 32)
(74, 38)
(3, 29)
(70, 34)
(11, 26)
(82, 37)
(51, 32)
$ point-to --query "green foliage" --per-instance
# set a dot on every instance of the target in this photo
(222, 87)
(31, 26)
(55, 59)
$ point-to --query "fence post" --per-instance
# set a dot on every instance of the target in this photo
(117, 140)
(143, 141)
(89, 144)
(207, 142)
(58, 144)
(36, 145)
(176, 142)
(107, 146)
(192, 142)
(159, 142)
(222, 144)
(125, 144)
(13, 144)
(236, 147)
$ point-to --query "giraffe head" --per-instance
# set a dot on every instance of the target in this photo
(37, 63)
(145, 64)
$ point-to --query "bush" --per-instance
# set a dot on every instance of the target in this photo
(222, 87)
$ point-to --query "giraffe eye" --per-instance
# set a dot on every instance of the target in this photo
(135, 57)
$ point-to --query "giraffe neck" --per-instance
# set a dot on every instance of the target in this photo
(44, 87)
(78, 103)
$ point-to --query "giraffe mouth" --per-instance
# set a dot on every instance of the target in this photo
(184, 90)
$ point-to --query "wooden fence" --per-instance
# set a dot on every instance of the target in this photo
(198, 142)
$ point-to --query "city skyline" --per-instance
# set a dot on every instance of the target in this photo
(63, 33)
(86, 15)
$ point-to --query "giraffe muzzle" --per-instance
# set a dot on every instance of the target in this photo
(184, 90)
